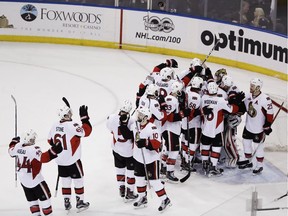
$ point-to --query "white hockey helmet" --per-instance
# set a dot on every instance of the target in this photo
(126, 106)
(196, 82)
(195, 62)
(152, 90)
(176, 88)
(29, 137)
(227, 81)
(167, 73)
(143, 114)
(65, 113)
(256, 82)
(212, 88)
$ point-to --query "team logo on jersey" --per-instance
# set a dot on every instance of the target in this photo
(154, 23)
(28, 12)
(251, 110)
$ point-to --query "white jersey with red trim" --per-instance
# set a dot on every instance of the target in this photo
(213, 123)
(28, 164)
(69, 133)
(154, 107)
(152, 134)
(164, 86)
(258, 109)
(194, 102)
(119, 144)
(172, 107)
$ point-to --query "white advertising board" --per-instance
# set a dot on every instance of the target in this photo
(60, 20)
(199, 36)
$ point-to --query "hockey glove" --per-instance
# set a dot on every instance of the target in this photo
(239, 97)
(197, 112)
(141, 143)
(171, 63)
(56, 148)
(124, 118)
(207, 110)
(267, 128)
(187, 112)
(14, 141)
(83, 112)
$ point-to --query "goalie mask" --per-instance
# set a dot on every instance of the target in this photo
(219, 74)
(65, 113)
(143, 115)
(29, 137)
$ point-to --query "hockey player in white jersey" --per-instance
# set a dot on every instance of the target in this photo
(69, 163)
(259, 118)
(123, 151)
(147, 140)
(29, 164)
(213, 108)
(172, 129)
(193, 114)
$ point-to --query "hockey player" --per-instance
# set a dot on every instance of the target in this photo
(122, 151)
(172, 129)
(213, 108)
(230, 92)
(259, 118)
(193, 94)
(29, 162)
(147, 140)
(69, 161)
(170, 63)
(219, 74)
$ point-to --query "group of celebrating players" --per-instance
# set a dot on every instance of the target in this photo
(194, 114)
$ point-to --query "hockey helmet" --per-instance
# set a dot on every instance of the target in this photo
(143, 114)
(167, 73)
(152, 90)
(126, 106)
(212, 88)
(29, 137)
(65, 113)
(219, 74)
(176, 88)
(227, 81)
(196, 82)
(256, 82)
(195, 62)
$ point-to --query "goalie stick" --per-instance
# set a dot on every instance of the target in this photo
(58, 177)
(15, 134)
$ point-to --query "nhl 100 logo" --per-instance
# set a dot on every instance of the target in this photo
(28, 12)
(154, 23)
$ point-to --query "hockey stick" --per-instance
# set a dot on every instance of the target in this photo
(144, 162)
(218, 40)
(66, 101)
(280, 197)
(15, 130)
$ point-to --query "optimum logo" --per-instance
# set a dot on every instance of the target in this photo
(156, 24)
(28, 12)
(238, 43)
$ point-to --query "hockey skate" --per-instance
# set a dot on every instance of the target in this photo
(122, 191)
(257, 170)
(214, 171)
(247, 165)
(163, 170)
(206, 167)
(164, 204)
(67, 205)
(142, 202)
(171, 177)
(130, 195)
(81, 206)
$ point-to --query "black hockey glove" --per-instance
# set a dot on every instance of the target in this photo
(124, 118)
(162, 102)
(56, 148)
(141, 143)
(181, 100)
(83, 112)
(267, 128)
(239, 97)
(14, 141)
(207, 110)
(197, 112)
(186, 112)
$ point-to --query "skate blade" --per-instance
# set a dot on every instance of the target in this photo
(82, 209)
(169, 205)
(141, 206)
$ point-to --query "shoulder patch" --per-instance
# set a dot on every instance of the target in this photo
(169, 99)
(154, 127)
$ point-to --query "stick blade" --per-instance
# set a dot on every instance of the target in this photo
(185, 177)
(66, 101)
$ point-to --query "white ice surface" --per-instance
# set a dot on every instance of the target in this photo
(39, 75)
